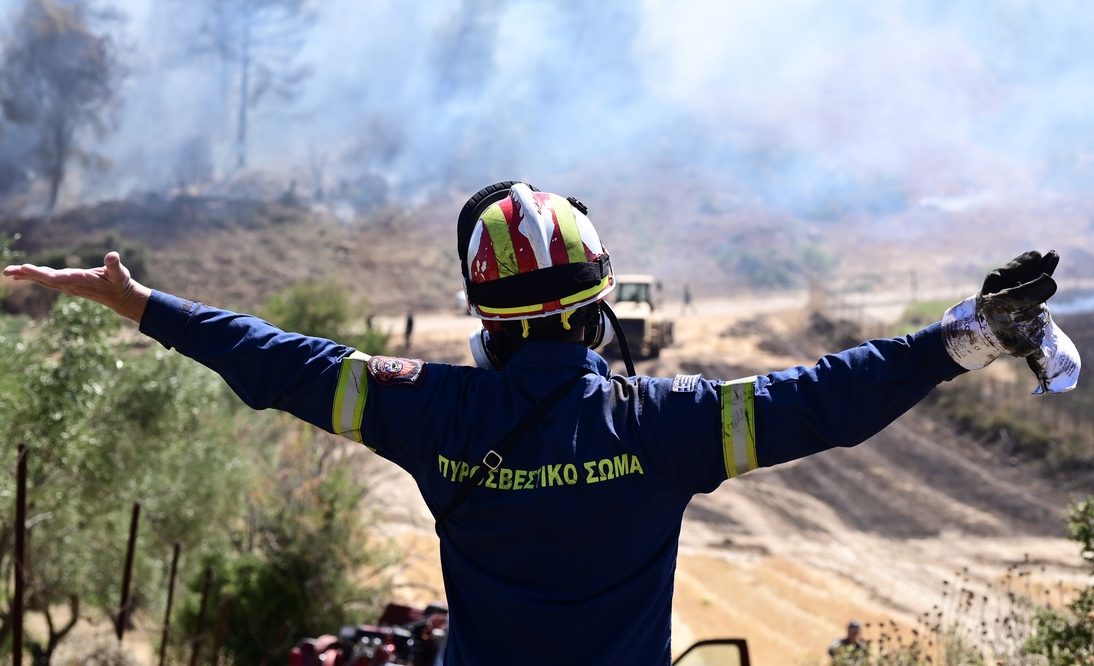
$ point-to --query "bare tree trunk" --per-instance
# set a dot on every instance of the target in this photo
(316, 162)
(5, 626)
(244, 93)
(57, 157)
(56, 635)
(56, 175)
(224, 115)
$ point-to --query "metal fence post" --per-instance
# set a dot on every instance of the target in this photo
(205, 585)
(20, 556)
(170, 599)
(123, 610)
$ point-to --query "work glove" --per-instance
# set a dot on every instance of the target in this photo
(1009, 316)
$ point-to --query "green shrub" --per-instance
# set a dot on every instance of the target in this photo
(920, 314)
(779, 266)
(766, 270)
(107, 428)
(1067, 637)
(274, 501)
(296, 571)
(319, 308)
(322, 308)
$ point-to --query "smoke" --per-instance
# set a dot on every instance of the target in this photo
(812, 107)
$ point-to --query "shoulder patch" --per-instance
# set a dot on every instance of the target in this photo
(685, 383)
(389, 371)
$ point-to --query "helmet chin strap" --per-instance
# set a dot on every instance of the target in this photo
(623, 347)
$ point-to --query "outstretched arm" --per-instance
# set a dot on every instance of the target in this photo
(317, 380)
(265, 366)
(737, 426)
(847, 397)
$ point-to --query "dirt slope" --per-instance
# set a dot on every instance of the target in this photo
(785, 556)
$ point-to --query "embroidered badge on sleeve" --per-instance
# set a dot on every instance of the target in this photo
(389, 371)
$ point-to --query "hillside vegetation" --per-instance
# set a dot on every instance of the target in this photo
(238, 253)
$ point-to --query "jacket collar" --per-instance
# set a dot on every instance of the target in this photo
(539, 356)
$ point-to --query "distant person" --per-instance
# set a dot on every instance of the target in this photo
(409, 332)
(850, 649)
(558, 487)
(687, 301)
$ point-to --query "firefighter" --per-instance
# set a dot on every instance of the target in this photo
(558, 487)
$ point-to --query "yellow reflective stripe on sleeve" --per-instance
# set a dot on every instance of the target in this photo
(727, 434)
(739, 426)
(350, 396)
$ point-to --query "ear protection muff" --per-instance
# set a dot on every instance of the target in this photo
(480, 350)
(599, 332)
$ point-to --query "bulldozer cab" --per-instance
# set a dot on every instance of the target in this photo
(634, 289)
(715, 652)
(648, 330)
(634, 292)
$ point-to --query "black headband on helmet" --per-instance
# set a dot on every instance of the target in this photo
(542, 286)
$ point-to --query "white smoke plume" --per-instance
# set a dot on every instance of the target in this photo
(811, 107)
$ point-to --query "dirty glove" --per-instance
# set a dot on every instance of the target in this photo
(1009, 316)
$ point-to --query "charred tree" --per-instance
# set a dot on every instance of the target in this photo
(259, 40)
(60, 75)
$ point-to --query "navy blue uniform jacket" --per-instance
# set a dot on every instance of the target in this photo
(566, 552)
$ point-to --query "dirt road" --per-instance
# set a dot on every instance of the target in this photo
(786, 556)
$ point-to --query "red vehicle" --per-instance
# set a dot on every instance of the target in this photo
(415, 637)
(402, 635)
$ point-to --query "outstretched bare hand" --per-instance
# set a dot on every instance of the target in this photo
(109, 284)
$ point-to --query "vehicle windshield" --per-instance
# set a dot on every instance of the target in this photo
(636, 292)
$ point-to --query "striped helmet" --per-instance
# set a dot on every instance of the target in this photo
(528, 254)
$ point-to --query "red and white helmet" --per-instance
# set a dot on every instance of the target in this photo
(528, 254)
